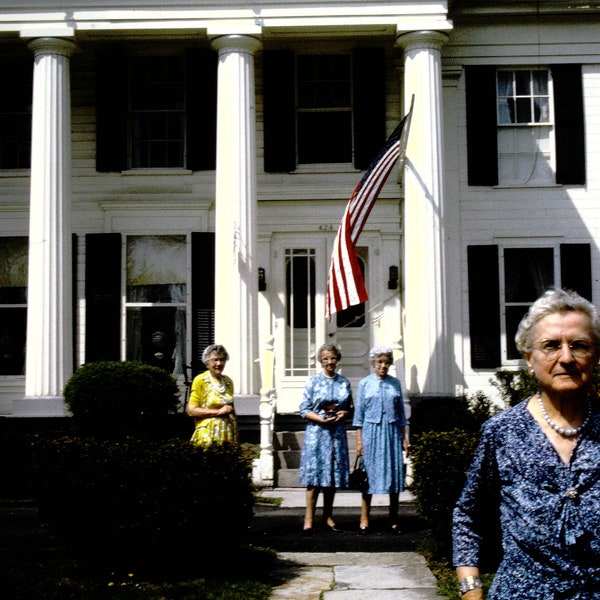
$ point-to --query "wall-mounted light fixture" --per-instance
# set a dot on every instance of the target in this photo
(262, 280)
(393, 278)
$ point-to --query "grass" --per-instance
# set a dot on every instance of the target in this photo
(49, 573)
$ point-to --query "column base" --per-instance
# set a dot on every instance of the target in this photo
(39, 406)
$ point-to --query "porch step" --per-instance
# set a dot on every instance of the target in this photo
(287, 447)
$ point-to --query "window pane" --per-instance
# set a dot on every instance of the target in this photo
(522, 83)
(300, 292)
(156, 336)
(157, 112)
(514, 314)
(324, 81)
(15, 113)
(13, 270)
(156, 269)
(13, 325)
(528, 272)
(524, 110)
(325, 137)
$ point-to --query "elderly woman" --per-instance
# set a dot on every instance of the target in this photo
(539, 464)
(211, 401)
(381, 435)
(324, 463)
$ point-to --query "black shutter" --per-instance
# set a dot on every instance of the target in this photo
(201, 108)
(112, 88)
(576, 269)
(482, 143)
(484, 306)
(369, 104)
(102, 296)
(279, 111)
(569, 124)
(203, 296)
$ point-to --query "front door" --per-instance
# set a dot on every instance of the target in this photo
(300, 324)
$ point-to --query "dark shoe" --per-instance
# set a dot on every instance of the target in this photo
(333, 528)
(363, 530)
(307, 531)
(395, 530)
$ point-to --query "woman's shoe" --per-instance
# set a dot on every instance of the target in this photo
(395, 529)
(333, 528)
(307, 531)
(364, 530)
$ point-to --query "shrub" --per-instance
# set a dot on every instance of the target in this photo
(114, 399)
(441, 460)
(145, 507)
(441, 457)
(514, 386)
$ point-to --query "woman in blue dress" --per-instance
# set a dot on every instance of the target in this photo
(324, 463)
(381, 435)
(536, 471)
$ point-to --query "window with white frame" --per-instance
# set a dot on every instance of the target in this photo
(157, 109)
(324, 108)
(525, 142)
(13, 304)
(156, 300)
(505, 280)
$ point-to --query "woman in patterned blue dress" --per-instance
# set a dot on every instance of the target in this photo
(537, 466)
(324, 463)
(381, 435)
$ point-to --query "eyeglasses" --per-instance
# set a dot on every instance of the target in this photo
(552, 348)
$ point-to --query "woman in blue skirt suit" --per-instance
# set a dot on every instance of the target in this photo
(381, 435)
(324, 463)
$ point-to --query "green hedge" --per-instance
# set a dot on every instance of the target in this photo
(116, 399)
(140, 506)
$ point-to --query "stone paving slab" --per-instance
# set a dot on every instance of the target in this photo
(353, 576)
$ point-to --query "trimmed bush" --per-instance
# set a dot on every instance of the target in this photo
(115, 399)
(145, 507)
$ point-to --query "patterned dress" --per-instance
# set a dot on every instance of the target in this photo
(324, 459)
(208, 392)
(549, 510)
(380, 414)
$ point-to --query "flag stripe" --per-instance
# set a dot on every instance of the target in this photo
(345, 283)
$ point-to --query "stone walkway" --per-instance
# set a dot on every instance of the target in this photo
(313, 568)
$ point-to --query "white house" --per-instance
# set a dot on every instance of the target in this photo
(173, 175)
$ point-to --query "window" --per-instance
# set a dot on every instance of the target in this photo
(157, 115)
(525, 126)
(15, 115)
(504, 282)
(323, 108)
(525, 152)
(156, 300)
(13, 304)
(324, 115)
(156, 111)
(300, 310)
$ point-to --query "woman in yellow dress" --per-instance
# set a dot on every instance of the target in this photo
(211, 401)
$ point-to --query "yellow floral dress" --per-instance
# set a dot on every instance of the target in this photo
(208, 392)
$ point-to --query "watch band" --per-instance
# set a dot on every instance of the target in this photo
(469, 583)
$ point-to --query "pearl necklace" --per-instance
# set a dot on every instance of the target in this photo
(562, 430)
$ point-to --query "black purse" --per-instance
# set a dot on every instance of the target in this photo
(358, 477)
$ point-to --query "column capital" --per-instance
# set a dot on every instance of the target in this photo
(236, 43)
(422, 39)
(51, 45)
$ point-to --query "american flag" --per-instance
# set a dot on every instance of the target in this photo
(345, 283)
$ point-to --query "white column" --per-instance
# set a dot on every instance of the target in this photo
(49, 356)
(425, 338)
(236, 279)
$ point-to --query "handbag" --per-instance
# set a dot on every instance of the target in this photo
(358, 477)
